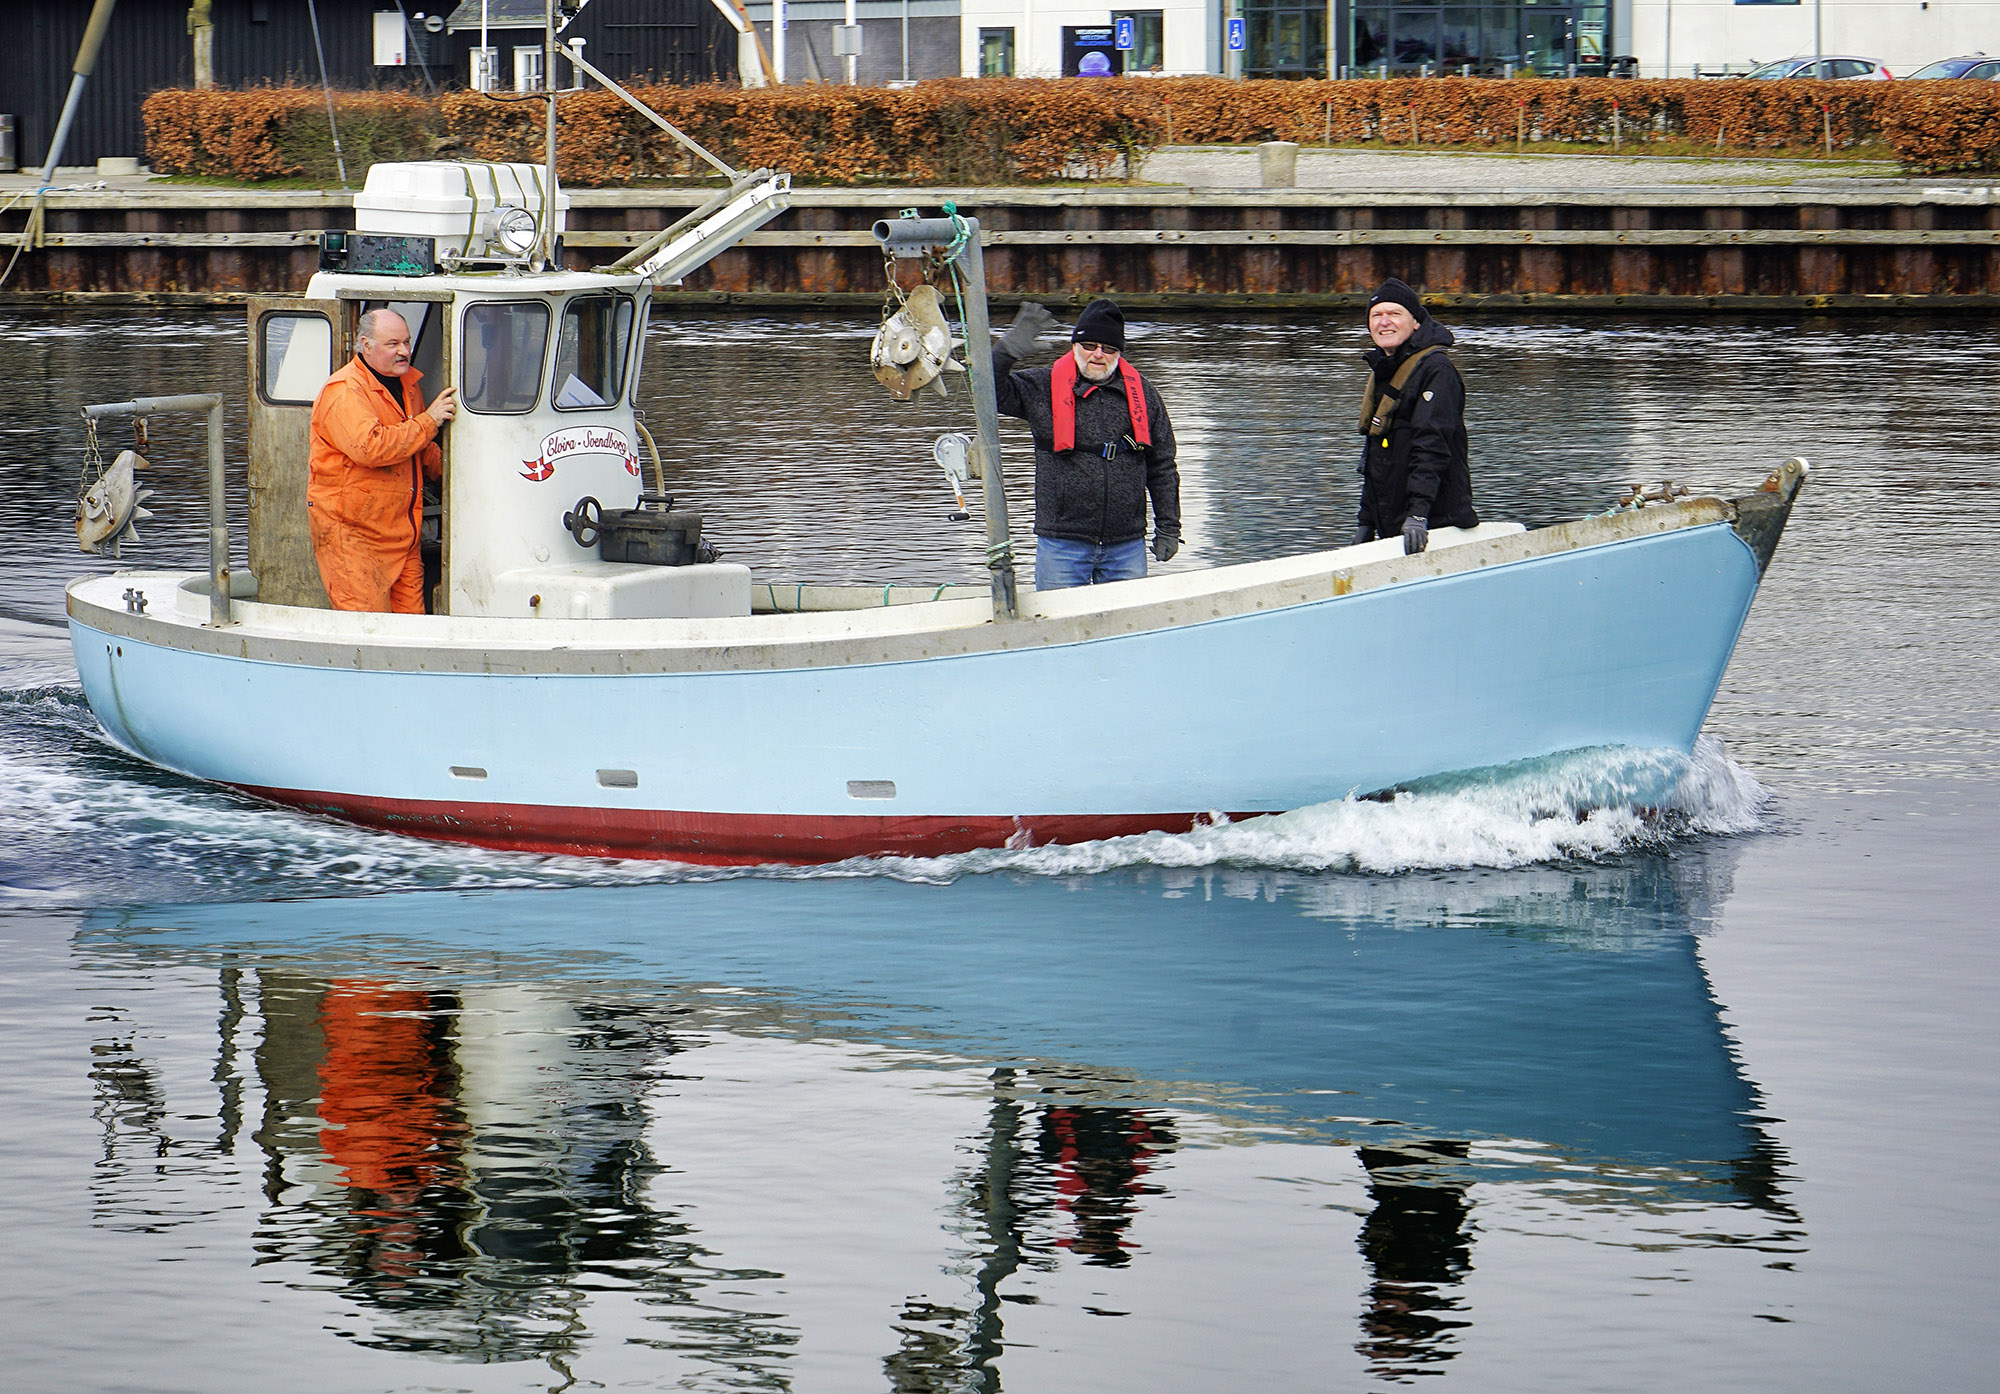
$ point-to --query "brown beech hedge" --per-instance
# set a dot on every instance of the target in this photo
(1004, 131)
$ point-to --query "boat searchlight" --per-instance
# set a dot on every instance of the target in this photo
(513, 228)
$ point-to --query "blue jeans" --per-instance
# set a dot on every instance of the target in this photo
(1059, 562)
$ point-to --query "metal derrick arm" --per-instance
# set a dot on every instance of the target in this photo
(750, 201)
(912, 237)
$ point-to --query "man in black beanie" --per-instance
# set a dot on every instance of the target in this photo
(1414, 469)
(1103, 446)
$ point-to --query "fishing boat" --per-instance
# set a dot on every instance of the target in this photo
(592, 680)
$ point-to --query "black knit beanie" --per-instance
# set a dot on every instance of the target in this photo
(1100, 323)
(1394, 292)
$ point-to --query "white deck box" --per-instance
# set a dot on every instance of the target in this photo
(601, 590)
(450, 200)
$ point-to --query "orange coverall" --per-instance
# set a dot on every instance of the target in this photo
(365, 499)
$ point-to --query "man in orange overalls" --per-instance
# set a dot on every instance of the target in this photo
(373, 444)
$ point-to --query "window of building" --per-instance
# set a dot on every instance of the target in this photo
(1284, 38)
(1524, 35)
(528, 69)
(996, 53)
(1148, 51)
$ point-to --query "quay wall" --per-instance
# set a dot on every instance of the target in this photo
(1666, 249)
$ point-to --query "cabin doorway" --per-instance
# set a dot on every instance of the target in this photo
(430, 332)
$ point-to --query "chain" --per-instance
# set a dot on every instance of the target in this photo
(93, 457)
(944, 260)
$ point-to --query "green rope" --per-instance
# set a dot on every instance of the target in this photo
(961, 234)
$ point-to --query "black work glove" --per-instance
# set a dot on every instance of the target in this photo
(1031, 321)
(1165, 544)
(1362, 534)
(1416, 534)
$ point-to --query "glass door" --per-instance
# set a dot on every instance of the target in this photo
(1548, 39)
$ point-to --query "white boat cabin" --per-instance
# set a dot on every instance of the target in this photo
(545, 364)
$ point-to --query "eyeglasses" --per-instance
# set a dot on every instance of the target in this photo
(1089, 347)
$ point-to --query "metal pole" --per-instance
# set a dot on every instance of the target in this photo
(687, 141)
(218, 524)
(218, 517)
(549, 91)
(911, 237)
(986, 417)
(1816, 43)
(326, 86)
(906, 40)
(86, 63)
(853, 59)
(778, 41)
(1667, 63)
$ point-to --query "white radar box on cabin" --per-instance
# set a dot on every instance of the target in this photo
(461, 203)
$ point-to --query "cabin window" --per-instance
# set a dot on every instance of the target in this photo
(504, 345)
(591, 352)
(295, 353)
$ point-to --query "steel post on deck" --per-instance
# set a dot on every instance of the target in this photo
(218, 517)
(912, 237)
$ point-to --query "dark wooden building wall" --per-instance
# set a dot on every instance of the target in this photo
(40, 40)
(147, 47)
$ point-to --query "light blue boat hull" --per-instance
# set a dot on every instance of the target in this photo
(1619, 644)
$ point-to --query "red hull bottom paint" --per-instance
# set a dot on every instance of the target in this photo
(718, 839)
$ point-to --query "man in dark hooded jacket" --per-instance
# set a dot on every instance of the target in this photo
(1103, 447)
(1414, 471)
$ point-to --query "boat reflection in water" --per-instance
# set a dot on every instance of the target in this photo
(475, 1112)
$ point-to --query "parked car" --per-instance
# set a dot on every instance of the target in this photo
(1827, 65)
(1972, 65)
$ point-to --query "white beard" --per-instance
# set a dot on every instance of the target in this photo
(1105, 376)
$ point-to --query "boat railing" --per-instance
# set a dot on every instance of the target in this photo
(218, 517)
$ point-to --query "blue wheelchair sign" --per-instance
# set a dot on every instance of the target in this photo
(1128, 34)
(1236, 37)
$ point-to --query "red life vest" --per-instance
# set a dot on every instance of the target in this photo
(1062, 401)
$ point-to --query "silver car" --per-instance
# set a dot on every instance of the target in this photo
(1827, 65)
(1970, 65)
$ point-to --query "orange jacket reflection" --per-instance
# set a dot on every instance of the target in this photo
(365, 496)
(389, 1121)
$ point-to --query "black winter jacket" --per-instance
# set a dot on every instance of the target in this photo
(1080, 495)
(1420, 466)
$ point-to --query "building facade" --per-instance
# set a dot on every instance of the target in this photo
(424, 44)
(1495, 38)
(901, 40)
(367, 44)
(1683, 38)
(1048, 38)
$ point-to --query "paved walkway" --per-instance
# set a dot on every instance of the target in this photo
(1437, 171)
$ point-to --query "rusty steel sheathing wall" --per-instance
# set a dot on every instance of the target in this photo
(1748, 249)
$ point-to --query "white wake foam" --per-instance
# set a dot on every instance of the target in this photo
(1583, 805)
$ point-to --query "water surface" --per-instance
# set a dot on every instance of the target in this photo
(1498, 1086)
